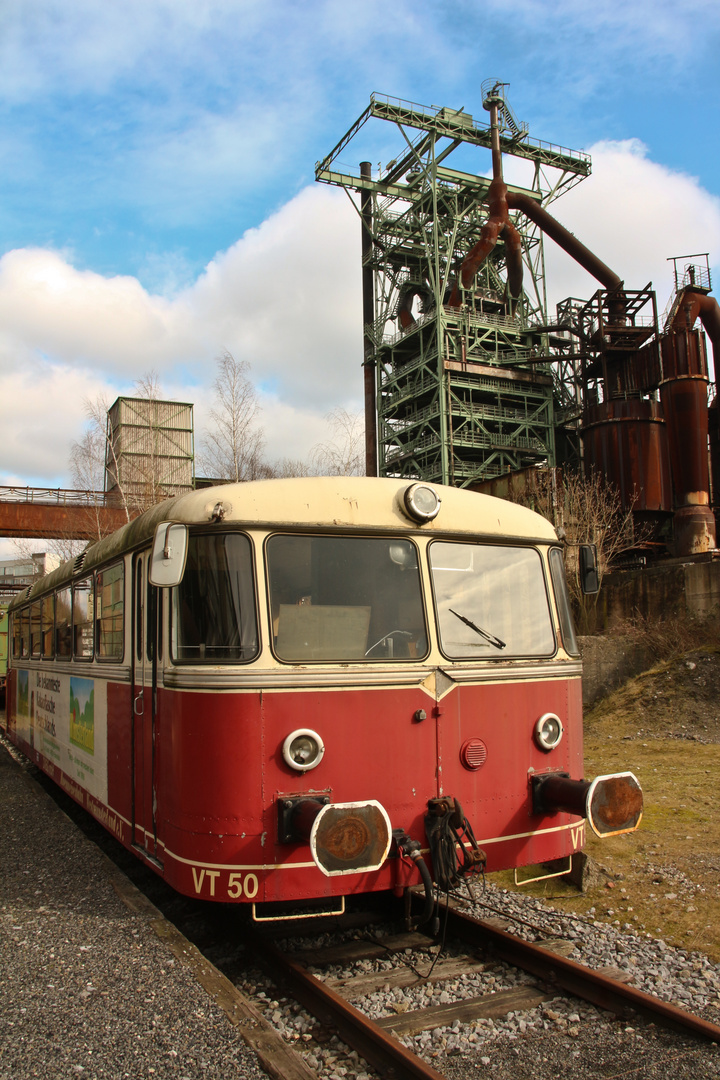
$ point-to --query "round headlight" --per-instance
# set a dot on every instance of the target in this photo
(303, 749)
(548, 731)
(421, 502)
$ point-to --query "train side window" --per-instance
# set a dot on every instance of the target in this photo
(25, 632)
(82, 609)
(109, 611)
(36, 629)
(562, 599)
(63, 623)
(214, 618)
(48, 626)
(17, 635)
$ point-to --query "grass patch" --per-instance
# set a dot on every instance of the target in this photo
(663, 725)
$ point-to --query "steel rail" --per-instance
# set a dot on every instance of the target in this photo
(379, 1048)
(575, 978)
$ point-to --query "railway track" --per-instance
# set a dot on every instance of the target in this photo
(335, 983)
(330, 998)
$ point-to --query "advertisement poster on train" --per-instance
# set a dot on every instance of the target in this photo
(64, 718)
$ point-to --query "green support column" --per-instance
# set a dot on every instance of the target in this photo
(468, 392)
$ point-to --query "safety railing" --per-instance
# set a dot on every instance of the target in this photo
(57, 496)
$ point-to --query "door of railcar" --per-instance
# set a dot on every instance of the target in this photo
(145, 634)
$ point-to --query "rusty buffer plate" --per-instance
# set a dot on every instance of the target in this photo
(350, 837)
(614, 804)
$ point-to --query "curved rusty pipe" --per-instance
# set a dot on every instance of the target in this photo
(708, 310)
(497, 199)
(513, 259)
(518, 200)
(497, 225)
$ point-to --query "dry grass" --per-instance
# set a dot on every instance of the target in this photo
(665, 727)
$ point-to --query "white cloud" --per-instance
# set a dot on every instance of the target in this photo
(286, 297)
(88, 44)
(644, 30)
(634, 214)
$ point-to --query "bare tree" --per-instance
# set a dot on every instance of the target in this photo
(344, 454)
(88, 457)
(288, 468)
(144, 468)
(588, 510)
(592, 513)
(233, 445)
(148, 386)
(64, 548)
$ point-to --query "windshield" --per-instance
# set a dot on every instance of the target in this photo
(491, 601)
(345, 598)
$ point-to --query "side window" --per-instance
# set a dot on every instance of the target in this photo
(109, 606)
(83, 619)
(213, 613)
(63, 623)
(35, 629)
(17, 634)
(154, 617)
(25, 632)
(562, 599)
(48, 626)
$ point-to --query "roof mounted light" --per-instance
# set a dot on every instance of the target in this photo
(422, 503)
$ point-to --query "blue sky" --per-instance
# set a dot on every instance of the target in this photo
(157, 202)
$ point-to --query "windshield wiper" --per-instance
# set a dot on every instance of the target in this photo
(488, 637)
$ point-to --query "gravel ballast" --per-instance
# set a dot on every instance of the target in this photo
(564, 1036)
(86, 988)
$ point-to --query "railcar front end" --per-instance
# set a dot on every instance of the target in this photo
(290, 691)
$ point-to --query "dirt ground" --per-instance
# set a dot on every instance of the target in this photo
(663, 725)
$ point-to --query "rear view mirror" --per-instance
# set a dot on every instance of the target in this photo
(589, 576)
(169, 552)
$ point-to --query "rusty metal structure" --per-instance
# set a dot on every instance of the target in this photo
(48, 513)
(642, 403)
(466, 378)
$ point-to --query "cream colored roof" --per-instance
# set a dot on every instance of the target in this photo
(328, 502)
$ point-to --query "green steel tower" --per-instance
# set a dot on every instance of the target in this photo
(460, 384)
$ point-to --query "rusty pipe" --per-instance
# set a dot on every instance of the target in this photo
(492, 107)
(708, 310)
(612, 804)
(498, 224)
(513, 259)
(518, 200)
(500, 201)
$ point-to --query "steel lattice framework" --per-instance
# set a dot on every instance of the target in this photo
(466, 392)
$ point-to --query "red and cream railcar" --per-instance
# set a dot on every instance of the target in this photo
(275, 691)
